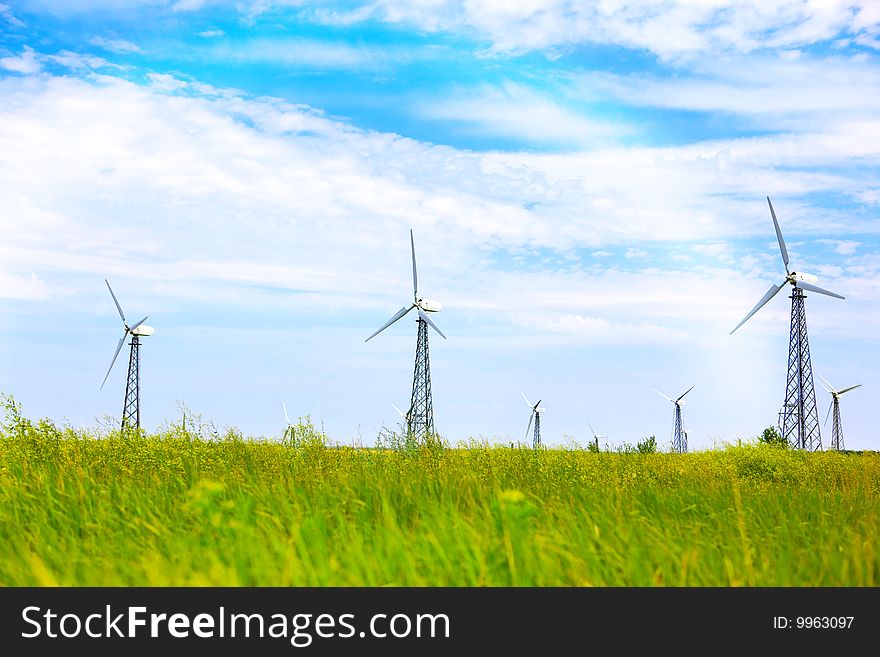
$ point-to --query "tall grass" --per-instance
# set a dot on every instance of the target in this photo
(178, 509)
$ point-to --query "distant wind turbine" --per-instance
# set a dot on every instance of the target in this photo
(836, 426)
(679, 437)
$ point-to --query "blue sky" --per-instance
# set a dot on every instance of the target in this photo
(586, 183)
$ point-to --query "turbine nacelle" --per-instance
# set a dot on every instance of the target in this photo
(429, 305)
(794, 277)
(143, 330)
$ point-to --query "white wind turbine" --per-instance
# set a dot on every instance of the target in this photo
(800, 418)
(679, 436)
(536, 416)
(420, 417)
(596, 436)
(836, 426)
(131, 409)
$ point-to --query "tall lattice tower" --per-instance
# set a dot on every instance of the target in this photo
(420, 417)
(679, 436)
(420, 420)
(131, 408)
(834, 410)
(799, 419)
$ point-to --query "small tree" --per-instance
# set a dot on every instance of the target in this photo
(647, 445)
(771, 436)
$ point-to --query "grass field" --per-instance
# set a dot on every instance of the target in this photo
(175, 509)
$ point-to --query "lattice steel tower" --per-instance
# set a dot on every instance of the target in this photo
(420, 418)
(131, 409)
(799, 419)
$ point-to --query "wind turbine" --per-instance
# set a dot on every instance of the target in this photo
(596, 436)
(836, 427)
(131, 410)
(420, 418)
(288, 432)
(679, 436)
(800, 418)
(536, 416)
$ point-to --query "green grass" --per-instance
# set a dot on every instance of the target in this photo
(173, 509)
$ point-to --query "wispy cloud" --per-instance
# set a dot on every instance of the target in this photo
(674, 29)
(116, 45)
(517, 112)
(308, 53)
(7, 15)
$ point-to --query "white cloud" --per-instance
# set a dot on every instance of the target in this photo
(23, 287)
(308, 53)
(765, 89)
(116, 45)
(842, 247)
(7, 15)
(671, 29)
(227, 192)
(26, 63)
(212, 33)
(516, 112)
(78, 62)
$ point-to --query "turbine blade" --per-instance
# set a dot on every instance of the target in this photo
(848, 389)
(815, 288)
(538, 404)
(113, 362)
(118, 307)
(592, 430)
(132, 328)
(684, 393)
(528, 428)
(430, 323)
(400, 412)
(400, 313)
(829, 412)
(412, 245)
(825, 384)
(528, 403)
(286, 418)
(662, 395)
(774, 289)
(782, 248)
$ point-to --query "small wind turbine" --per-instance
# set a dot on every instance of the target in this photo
(836, 427)
(288, 432)
(536, 416)
(596, 436)
(131, 410)
(679, 437)
(800, 419)
(420, 418)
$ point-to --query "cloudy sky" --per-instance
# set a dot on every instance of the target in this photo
(586, 183)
